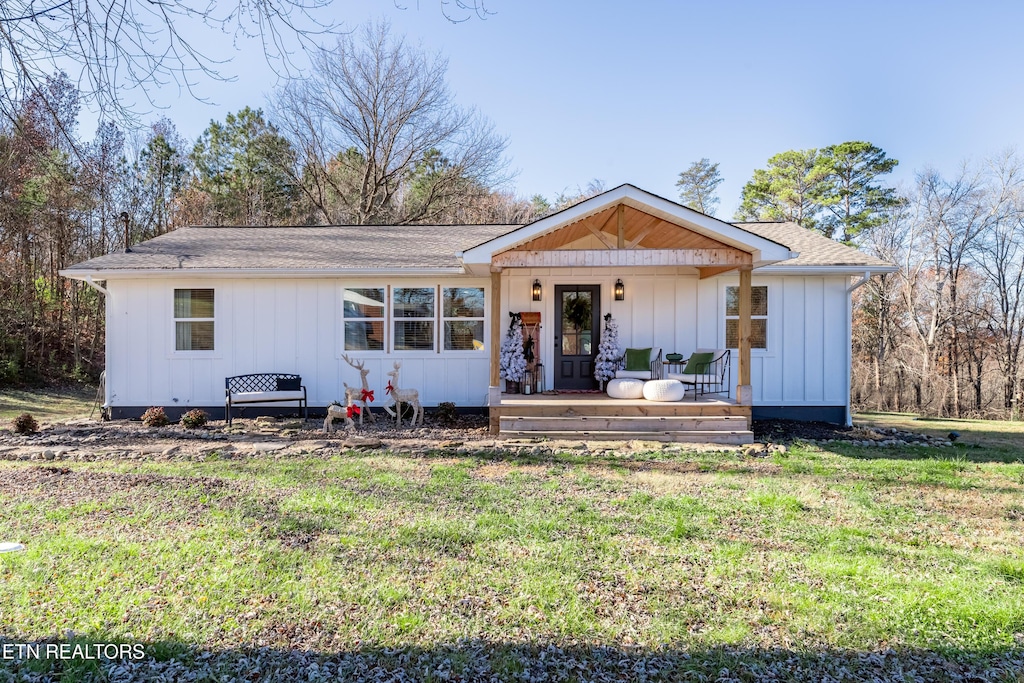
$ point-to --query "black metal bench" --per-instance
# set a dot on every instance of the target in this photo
(267, 387)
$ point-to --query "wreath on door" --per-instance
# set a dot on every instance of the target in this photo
(578, 311)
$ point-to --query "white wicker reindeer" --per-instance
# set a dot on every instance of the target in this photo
(363, 395)
(400, 396)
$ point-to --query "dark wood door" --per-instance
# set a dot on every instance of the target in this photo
(577, 325)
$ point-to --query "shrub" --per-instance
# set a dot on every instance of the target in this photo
(25, 424)
(446, 412)
(194, 419)
(155, 417)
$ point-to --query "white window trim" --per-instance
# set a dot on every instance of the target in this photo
(394, 320)
(766, 350)
(194, 353)
(469, 353)
(383, 319)
(389, 319)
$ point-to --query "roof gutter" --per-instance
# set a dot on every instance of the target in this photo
(92, 283)
(862, 281)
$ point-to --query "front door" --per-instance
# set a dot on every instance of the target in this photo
(577, 316)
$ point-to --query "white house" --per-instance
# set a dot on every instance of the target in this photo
(188, 309)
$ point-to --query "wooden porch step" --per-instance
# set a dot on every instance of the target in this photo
(623, 409)
(736, 438)
(647, 423)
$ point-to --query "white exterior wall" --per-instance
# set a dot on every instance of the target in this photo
(295, 326)
(808, 355)
(270, 325)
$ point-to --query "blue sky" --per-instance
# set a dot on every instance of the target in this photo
(634, 92)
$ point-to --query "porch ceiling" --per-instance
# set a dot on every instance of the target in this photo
(641, 230)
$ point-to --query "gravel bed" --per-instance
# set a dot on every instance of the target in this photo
(483, 661)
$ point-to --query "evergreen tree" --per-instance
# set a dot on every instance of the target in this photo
(697, 185)
(853, 197)
(513, 360)
(608, 353)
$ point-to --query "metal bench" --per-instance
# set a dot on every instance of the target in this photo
(267, 387)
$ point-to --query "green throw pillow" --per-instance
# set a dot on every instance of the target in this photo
(638, 360)
(699, 364)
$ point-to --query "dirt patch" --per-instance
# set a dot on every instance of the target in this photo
(793, 430)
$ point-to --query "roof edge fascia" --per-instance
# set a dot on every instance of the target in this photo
(761, 248)
(269, 273)
(782, 269)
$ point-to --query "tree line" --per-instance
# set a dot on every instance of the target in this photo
(374, 135)
(942, 335)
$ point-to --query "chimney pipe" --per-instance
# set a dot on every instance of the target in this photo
(127, 233)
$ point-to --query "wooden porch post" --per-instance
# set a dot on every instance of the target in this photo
(494, 388)
(744, 394)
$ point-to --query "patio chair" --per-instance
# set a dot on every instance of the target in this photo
(707, 371)
(633, 366)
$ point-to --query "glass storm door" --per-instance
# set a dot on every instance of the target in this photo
(577, 316)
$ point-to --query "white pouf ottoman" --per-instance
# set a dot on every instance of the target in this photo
(626, 388)
(664, 390)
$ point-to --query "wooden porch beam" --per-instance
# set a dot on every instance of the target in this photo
(601, 236)
(494, 390)
(620, 213)
(639, 238)
(744, 393)
(712, 271)
(621, 257)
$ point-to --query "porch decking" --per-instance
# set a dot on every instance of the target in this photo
(709, 419)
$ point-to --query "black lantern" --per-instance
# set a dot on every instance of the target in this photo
(620, 290)
(536, 290)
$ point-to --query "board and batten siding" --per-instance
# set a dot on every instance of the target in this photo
(269, 325)
(808, 351)
(296, 326)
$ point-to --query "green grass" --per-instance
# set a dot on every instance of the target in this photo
(837, 550)
(48, 406)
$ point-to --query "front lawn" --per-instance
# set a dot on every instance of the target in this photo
(476, 565)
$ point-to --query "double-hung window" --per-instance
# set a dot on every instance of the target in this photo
(463, 316)
(414, 314)
(758, 317)
(364, 318)
(193, 320)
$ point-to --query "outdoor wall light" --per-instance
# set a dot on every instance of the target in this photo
(620, 290)
(536, 290)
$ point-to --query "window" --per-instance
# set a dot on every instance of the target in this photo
(413, 309)
(758, 317)
(193, 319)
(364, 319)
(463, 313)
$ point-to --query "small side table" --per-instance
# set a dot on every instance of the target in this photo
(676, 366)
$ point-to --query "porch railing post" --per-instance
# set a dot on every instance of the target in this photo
(744, 393)
(494, 388)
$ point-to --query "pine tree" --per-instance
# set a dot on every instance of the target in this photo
(513, 360)
(608, 353)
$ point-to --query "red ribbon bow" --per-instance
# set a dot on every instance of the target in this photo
(367, 396)
(352, 411)
(388, 389)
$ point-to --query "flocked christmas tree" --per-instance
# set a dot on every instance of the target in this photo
(513, 360)
(608, 354)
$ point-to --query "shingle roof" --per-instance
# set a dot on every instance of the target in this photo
(387, 248)
(814, 248)
(313, 248)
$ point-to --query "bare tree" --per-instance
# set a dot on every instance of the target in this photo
(1001, 258)
(119, 46)
(380, 138)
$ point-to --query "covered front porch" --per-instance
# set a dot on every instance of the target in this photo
(625, 234)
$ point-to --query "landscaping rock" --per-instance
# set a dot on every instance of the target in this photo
(268, 446)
